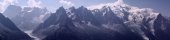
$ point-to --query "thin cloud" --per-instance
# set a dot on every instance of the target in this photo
(34, 3)
(66, 3)
(99, 6)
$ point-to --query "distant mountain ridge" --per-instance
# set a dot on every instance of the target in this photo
(26, 18)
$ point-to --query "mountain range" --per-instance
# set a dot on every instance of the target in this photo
(117, 21)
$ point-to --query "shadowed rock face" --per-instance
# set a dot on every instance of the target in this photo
(162, 26)
(8, 30)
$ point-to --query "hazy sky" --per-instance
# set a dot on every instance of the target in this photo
(161, 6)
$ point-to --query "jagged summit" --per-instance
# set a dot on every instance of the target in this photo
(61, 9)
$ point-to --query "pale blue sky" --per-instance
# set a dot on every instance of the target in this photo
(161, 6)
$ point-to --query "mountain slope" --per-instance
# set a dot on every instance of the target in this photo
(8, 30)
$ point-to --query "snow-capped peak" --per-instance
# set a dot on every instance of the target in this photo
(100, 6)
(119, 7)
(129, 14)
